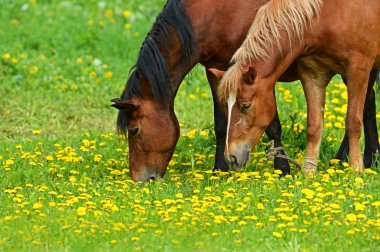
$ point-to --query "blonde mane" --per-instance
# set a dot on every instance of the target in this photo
(290, 16)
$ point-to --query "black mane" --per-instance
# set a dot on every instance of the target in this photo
(150, 61)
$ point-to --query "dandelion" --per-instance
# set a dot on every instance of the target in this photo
(37, 205)
(260, 206)
(36, 132)
(259, 225)
(277, 234)
(126, 13)
(81, 211)
(359, 182)
(97, 158)
(351, 232)
(359, 206)
(7, 56)
(108, 75)
(9, 162)
(127, 26)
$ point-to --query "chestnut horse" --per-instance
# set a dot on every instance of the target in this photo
(323, 38)
(186, 33)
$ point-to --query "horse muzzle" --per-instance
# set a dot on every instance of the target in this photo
(238, 157)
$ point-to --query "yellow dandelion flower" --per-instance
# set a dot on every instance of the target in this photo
(108, 75)
(192, 97)
(7, 56)
(203, 133)
(242, 223)
(359, 206)
(81, 211)
(126, 13)
(9, 162)
(376, 204)
(97, 158)
(277, 234)
(127, 26)
(36, 132)
(260, 206)
(37, 205)
(351, 232)
(359, 182)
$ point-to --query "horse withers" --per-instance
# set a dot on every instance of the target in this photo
(322, 43)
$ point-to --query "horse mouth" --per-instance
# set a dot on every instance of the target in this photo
(236, 163)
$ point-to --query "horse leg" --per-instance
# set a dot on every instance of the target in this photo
(370, 127)
(369, 121)
(220, 125)
(357, 74)
(314, 83)
(274, 133)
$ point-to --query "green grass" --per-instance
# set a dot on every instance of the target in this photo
(65, 183)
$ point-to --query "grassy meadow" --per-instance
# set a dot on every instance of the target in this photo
(65, 183)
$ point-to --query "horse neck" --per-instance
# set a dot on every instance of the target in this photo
(282, 57)
(177, 66)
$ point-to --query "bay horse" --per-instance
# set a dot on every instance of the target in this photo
(322, 38)
(186, 33)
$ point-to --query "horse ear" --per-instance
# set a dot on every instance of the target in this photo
(217, 73)
(250, 76)
(123, 104)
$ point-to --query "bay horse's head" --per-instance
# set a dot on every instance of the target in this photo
(153, 132)
(147, 116)
(146, 106)
(251, 108)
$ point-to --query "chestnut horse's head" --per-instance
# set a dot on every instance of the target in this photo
(251, 108)
(146, 106)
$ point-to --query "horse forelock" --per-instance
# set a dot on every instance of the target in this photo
(291, 16)
(229, 83)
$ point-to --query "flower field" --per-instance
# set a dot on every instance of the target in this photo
(65, 183)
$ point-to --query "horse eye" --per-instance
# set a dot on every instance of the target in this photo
(245, 107)
(133, 131)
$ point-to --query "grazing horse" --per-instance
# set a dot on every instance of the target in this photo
(186, 33)
(322, 43)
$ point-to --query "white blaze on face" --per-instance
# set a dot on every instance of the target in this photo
(231, 102)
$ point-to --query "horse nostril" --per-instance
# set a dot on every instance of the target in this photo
(232, 159)
(152, 178)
